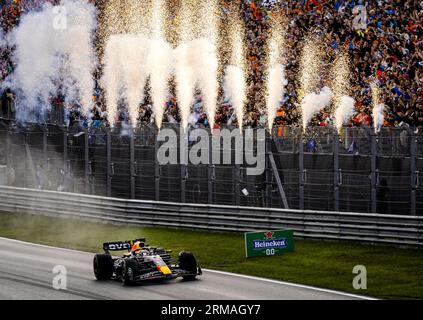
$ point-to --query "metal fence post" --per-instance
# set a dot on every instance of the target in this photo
(156, 172)
(210, 170)
(109, 162)
(301, 171)
(413, 169)
(237, 185)
(8, 160)
(268, 169)
(87, 161)
(45, 158)
(336, 171)
(132, 164)
(374, 172)
(65, 158)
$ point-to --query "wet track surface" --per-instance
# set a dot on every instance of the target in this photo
(26, 272)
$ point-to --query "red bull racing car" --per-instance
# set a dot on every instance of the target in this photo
(143, 262)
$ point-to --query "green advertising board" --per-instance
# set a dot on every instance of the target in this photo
(269, 243)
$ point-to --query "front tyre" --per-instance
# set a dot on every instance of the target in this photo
(188, 262)
(103, 266)
(130, 271)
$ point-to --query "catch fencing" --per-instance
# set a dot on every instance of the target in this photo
(370, 228)
(354, 170)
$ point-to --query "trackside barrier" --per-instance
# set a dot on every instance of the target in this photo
(368, 228)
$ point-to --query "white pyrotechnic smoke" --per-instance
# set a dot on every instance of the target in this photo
(378, 117)
(196, 62)
(313, 103)
(159, 61)
(125, 73)
(276, 83)
(54, 50)
(234, 88)
(344, 111)
(378, 108)
(234, 82)
(276, 79)
(185, 81)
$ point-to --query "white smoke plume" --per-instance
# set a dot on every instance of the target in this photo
(160, 63)
(378, 117)
(125, 73)
(196, 65)
(313, 103)
(276, 83)
(54, 50)
(344, 111)
(185, 81)
(235, 91)
(3, 40)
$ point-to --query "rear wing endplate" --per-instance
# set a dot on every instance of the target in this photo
(122, 245)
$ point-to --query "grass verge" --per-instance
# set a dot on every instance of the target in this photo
(393, 273)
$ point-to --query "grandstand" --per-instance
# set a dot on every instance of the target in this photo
(316, 167)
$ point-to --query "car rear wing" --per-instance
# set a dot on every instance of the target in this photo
(122, 245)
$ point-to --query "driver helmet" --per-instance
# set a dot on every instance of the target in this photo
(136, 248)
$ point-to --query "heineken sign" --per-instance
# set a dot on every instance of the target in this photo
(270, 243)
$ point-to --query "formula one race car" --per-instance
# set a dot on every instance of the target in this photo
(143, 262)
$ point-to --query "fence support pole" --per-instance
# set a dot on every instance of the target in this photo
(301, 171)
(87, 162)
(45, 158)
(210, 170)
(156, 172)
(65, 158)
(336, 172)
(184, 173)
(8, 160)
(237, 185)
(269, 174)
(413, 169)
(132, 164)
(374, 172)
(109, 163)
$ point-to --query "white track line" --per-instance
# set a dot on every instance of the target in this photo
(294, 285)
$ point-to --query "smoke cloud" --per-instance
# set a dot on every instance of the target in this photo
(125, 73)
(54, 53)
(313, 103)
(276, 83)
(235, 91)
(378, 117)
(344, 112)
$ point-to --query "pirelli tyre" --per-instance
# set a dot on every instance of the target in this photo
(130, 270)
(103, 266)
(188, 262)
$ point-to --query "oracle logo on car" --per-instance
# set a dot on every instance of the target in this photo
(119, 246)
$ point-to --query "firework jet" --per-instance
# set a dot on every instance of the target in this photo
(310, 67)
(125, 73)
(313, 103)
(276, 79)
(234, 84)
(159, 62)
(344, 105)
(344, 111)
(378, 109)
(54, 52)
(196, 62)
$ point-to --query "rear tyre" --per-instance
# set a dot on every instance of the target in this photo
(188, 262)
(103, 266)
(130, 270)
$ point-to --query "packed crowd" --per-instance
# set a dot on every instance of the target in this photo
(387, 51)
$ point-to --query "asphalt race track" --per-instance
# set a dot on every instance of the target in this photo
(26, 272)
